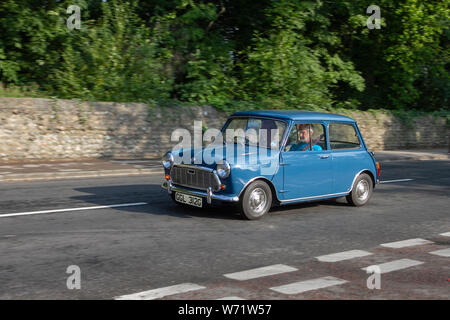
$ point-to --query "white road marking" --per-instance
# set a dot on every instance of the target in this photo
(66, 164)
(346, 255)
(396, 265)
(260, 272)
(442, 253)
(231, 298)
(308, 285)
(446, 234)
(72, 209)
(406, 243)
(398, 180)
(161, 292)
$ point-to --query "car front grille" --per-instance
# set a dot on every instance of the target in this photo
(194, 177)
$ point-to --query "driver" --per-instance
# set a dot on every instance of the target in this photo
(304, 134)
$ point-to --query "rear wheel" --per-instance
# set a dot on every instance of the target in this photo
(362, 191)
(256, 200)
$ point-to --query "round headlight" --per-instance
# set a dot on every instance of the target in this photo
(223, 169)
(167, 160)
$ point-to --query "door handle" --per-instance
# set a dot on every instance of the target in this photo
(324, 156)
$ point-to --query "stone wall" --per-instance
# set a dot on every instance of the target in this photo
(386, 132)
(35, 129)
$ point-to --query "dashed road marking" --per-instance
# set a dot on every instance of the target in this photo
(396, 265)
(406, 243)
(260, 272)
(346, 255)
(446, 234)
(442, 253)
(231, 298)
(161, 292)
(72, 209)
(308, 285)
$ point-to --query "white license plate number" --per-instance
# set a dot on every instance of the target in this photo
(188, 199)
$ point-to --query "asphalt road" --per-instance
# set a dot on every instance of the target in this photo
(132, 249)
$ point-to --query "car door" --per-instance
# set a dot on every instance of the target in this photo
(306, 168)
(348, 155)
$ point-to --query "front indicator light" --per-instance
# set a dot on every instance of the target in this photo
(167, 177)
(222, 187)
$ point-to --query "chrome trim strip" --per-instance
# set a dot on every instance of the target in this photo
(315, 197)
(190, 166)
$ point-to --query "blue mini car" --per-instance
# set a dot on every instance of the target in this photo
(264, 158)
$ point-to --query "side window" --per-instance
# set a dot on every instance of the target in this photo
(306, 137)
(343, 136)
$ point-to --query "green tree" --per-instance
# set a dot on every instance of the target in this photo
(298, 61)
(285, 53)
(113, 59)
(32, 35)
(405, 63)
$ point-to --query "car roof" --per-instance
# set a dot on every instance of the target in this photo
(295, 115)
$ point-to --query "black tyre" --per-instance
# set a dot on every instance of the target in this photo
(256, 200)
(362, 190)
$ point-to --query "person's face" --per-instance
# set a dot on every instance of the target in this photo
(303, 135)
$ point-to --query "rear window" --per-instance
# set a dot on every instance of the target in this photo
(343, 136)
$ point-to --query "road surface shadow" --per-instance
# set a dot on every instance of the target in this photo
(160, 203)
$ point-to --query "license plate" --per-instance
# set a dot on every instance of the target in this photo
(188, 199)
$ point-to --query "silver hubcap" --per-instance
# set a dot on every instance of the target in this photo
(257, 201)
(362, 190)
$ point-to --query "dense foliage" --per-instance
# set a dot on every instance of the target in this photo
(267, 53)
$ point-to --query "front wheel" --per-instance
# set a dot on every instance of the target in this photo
(256, 200)
(362, 191)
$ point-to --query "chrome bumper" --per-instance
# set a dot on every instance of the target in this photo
(209, 195)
